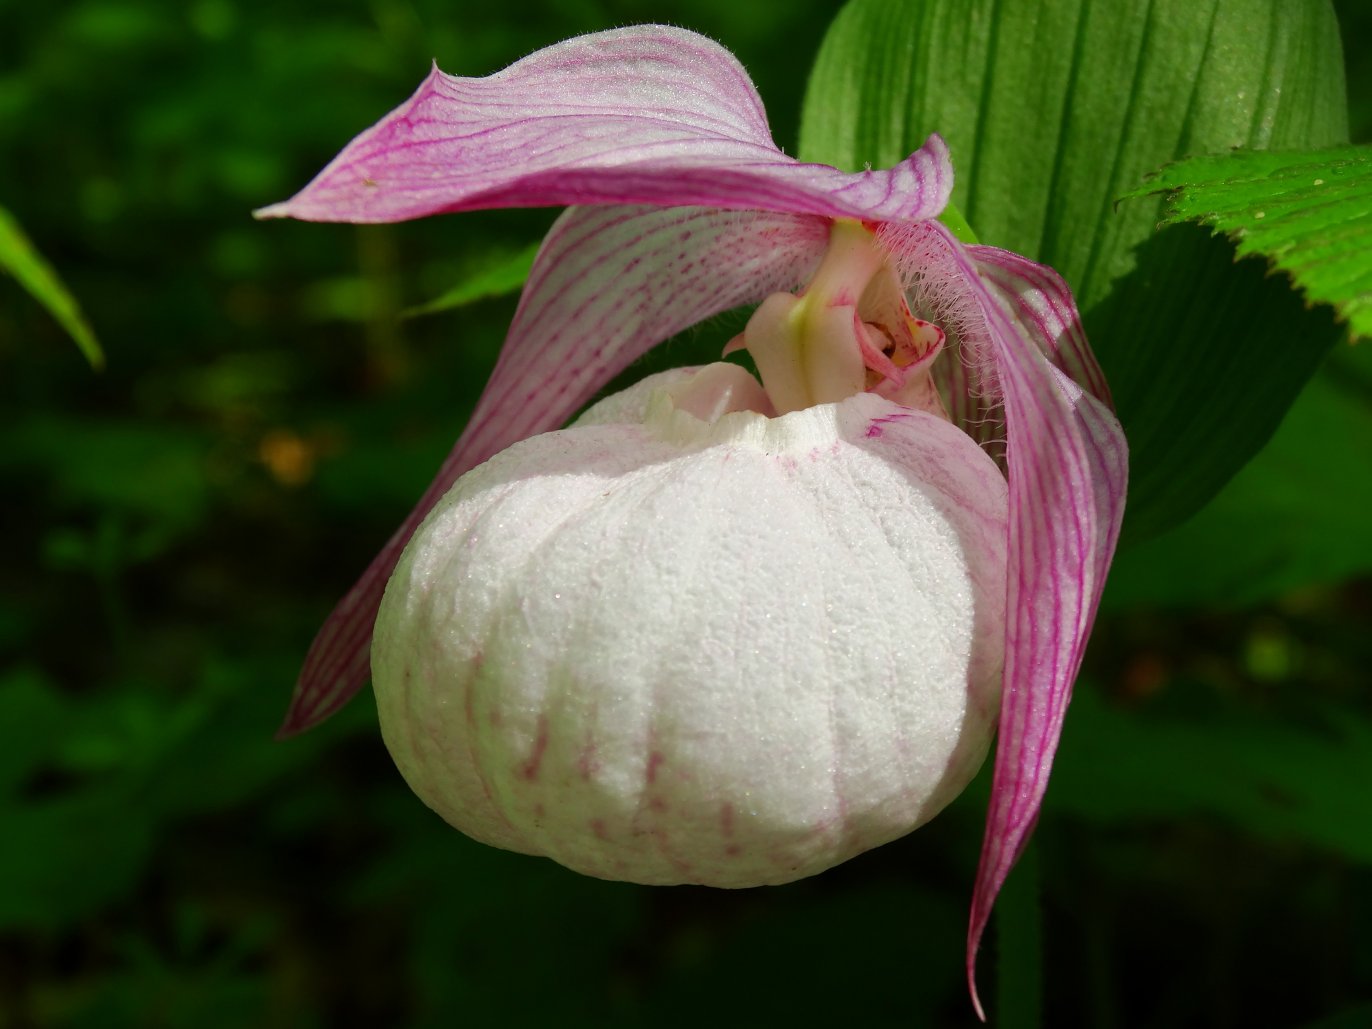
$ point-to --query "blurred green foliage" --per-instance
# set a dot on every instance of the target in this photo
(21, 260)
(177, 525)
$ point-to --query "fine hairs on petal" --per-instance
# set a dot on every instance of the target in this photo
(968, 382)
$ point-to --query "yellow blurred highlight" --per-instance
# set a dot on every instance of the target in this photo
(289, 457)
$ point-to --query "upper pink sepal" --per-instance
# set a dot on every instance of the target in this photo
(648, 114)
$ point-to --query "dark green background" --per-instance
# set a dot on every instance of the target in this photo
(176, 527)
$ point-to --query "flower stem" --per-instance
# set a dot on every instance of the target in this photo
(1019, 946)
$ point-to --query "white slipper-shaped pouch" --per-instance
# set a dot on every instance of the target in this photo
(684, 642)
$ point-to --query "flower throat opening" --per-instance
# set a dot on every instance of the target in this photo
(848, 331)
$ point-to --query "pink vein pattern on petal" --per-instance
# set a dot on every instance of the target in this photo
(648, 114)
(609, 283)
(1066, 462)
(1068, 468)
(1043, 302)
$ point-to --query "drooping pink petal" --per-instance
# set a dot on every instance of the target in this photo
(1066, 461)
(609, 283)
(1043, 302)
(1068, 466)
(648, 114)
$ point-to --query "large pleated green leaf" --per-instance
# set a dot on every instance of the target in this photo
(1056, 110)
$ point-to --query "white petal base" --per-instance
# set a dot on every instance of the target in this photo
(665, 650)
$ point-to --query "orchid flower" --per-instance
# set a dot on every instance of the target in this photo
(811, 598)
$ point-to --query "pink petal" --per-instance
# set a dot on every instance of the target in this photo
(648, 114)
(1067, 466)
(608, 284)
(1043, 302)
(965, 372)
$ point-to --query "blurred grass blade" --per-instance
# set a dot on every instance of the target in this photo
(505, 275)
(1308, 212)
(20, 259)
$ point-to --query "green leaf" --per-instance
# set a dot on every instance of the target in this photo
(116, 467)
(1300, 509)
(505, 275)
(1052, 112)
(1272, 776)
(20, 259)
(1309, 212)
